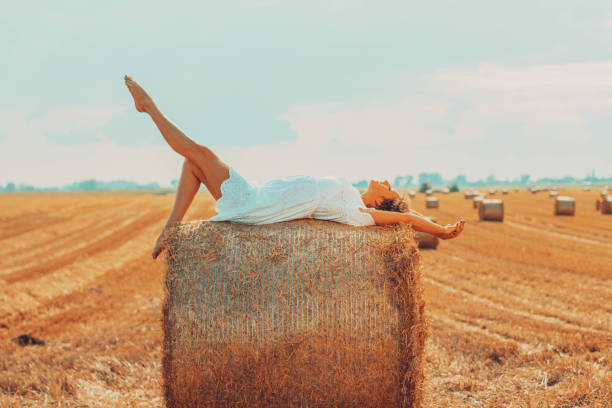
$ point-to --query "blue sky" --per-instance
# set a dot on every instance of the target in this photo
(358, 89)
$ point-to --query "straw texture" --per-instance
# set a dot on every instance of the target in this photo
(301, 313)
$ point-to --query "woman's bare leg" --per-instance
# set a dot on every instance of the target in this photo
(214, 170)
(188, 186)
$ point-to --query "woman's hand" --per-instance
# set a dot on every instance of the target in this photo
(160, 244)
(452, 230)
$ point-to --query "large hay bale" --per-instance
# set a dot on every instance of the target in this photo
(477, 200)
(552, 194)
(606, 204)
(428, 192)
(431, 202)
(491, 210)
(565, 205)
(411, 193)
(505, 191)
(492, 191)
(300, 313)
(470, 194)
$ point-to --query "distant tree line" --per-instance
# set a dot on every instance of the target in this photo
(436, 180)
(85, 185)
(431, 180)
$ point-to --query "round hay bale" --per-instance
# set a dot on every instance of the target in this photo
(469, 195)
(505, 191)
(586, 188)
(426, 240)
(492, 191)
(445, 190)
(606, 205)
(292, 314)
(565, 205)
(429, 192)
(411, 193)
(431, 202)
(477, 200)
(553, 193)
(491, 210)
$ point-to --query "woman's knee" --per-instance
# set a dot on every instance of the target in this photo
(195, 169)
(208, 154)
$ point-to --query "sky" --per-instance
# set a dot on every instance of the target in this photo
(358, 89)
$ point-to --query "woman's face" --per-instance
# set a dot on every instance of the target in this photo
(380, 190)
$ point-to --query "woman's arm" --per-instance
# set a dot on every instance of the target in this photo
(417, 221)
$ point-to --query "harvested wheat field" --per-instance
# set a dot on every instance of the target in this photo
(520, 311)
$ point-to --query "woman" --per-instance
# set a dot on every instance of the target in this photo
(325, 198)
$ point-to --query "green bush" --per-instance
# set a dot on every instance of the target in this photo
(424, 187)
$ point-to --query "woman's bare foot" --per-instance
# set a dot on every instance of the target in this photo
(160, 244)
(452, 230)
(142, 100)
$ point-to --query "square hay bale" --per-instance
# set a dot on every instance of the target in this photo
(491, 210)
(565, 205)
(300, 313)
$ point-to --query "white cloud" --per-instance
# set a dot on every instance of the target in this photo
(488, 119)
(26, 156)
(483, 120)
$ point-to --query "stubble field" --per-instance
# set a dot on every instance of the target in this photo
(520, 311)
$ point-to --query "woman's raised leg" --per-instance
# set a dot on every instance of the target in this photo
(214, 170)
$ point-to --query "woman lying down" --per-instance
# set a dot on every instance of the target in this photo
(290, 198)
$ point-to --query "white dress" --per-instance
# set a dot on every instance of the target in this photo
(290, 198)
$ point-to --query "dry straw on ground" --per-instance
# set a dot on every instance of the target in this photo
(431, 202)
(491, 210)
(565, 205)
(302, 313)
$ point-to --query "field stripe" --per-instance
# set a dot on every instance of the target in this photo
(554, 321)
(116, 238)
